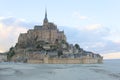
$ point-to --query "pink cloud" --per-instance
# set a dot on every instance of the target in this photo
(9, 34)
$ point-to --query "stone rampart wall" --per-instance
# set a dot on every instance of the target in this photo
(84, 60)
(35, 61)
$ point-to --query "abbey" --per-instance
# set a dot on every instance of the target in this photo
(47, 32)
(46, 44)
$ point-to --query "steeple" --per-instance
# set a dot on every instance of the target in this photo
(45, 19)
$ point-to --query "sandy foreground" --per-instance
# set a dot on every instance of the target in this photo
(109, 70)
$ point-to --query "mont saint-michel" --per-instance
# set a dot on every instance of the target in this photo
(47, 44)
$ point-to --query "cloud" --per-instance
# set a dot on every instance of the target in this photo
(113, 36)
(2, 49)
(95, 39)
(10, 29)
(90, 27)
(93, 27)
(79, 16)
(1, 17)
(115, 55)
(83, 17)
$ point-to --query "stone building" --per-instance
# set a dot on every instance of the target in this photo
(47, 33)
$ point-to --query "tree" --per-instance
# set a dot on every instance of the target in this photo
(77, 46)
(10, 53)
(53, 47)
(60, 52)
(63, 41)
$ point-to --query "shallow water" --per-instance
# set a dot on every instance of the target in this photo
(109, 70)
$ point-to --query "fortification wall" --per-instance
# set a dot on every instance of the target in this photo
(44, 59)
(35, 61)
(73, 61)
(84, 60)
(65, 61)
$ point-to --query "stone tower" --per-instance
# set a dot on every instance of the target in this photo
(45, 19)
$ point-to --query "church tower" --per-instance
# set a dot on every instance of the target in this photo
(45, 19)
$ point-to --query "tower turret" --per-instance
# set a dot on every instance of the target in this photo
(45, 19)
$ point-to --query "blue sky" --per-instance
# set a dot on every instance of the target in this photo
(94, 24)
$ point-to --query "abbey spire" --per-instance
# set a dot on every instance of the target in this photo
(45, 19)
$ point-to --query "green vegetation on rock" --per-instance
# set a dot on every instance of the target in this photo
(10, 53)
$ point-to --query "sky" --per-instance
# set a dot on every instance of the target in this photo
(93, 24)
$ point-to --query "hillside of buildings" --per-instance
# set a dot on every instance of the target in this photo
(46, 39)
